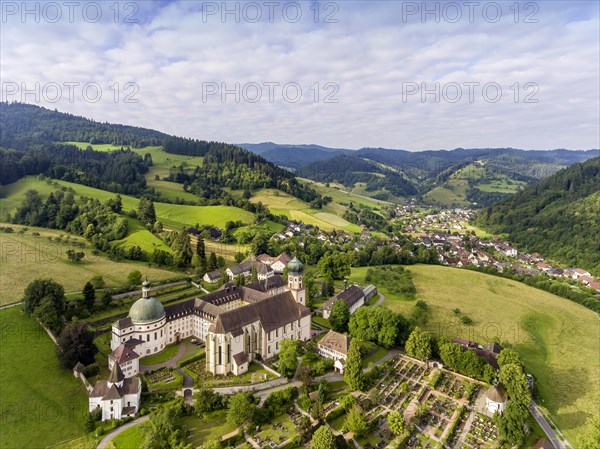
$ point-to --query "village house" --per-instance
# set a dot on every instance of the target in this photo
(212, 277)
(335, 346)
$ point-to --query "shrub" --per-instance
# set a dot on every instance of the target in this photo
(90, 370)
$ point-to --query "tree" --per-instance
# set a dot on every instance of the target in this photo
(46, 298)
(89, 295)
(88, 422)
(115, 204)
(240, 409)
(212, 262)
(240, 280)
(182, 249)
(239, 257)
(508, 356)
(353, 373)
(590, 438)
(97, 282)
(254, 277)
(396, 422)
(330, 284)
(288, 357)
(418, 344)
(511, 423)
(304, 429)
(515, 381)
(340, 316)
(323, 439)
(163, 430)
(76, 344)
(75, 256)
(207, 400)
(134, 277)
(146, 212)
(355, 421)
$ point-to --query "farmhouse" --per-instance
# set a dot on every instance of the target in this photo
(278, 263)
(353, 295)
(237, 323)
(212, 277)
(335, 346)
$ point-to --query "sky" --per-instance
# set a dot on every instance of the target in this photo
(347, 74)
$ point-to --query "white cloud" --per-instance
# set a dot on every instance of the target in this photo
(369, 54)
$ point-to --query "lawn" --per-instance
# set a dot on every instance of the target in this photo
(25, 258)
(322, 321)
(168, 353)
(42, 403)
(557, 339)
(131, 438)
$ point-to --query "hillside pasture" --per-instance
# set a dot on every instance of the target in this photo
(173, 215)
(25, 258)
(557, 339)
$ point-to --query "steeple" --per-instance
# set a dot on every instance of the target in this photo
(295, 284)
(146, 288)
(116, 376)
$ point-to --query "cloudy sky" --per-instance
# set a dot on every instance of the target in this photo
(352, 74)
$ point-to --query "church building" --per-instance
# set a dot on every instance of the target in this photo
(238, 323)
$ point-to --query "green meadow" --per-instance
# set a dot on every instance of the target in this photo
(557, 339)
(280, 203)
(42, 403)
(25, 257)
(173, 215)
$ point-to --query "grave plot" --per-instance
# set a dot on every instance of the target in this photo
(482, 433)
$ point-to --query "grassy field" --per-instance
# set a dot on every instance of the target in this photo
(42, 403)
(25, 258)
(557, 339)
(173, 215)
(451, 194)
(328, 218)
(341, 195)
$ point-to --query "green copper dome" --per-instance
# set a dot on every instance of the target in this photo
(295, 266)
(146, 310)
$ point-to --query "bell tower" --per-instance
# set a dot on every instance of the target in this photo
(295, 284)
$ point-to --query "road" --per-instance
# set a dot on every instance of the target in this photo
(547, 428)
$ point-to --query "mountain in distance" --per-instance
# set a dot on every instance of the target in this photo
(557, 217)
(459, 177)
(293, 156)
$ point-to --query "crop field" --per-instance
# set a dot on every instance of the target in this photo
(39, 394)
(25, 257)
(557, 339)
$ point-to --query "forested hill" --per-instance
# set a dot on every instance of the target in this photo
(557, 217)
(348, 170)
(34, 140)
